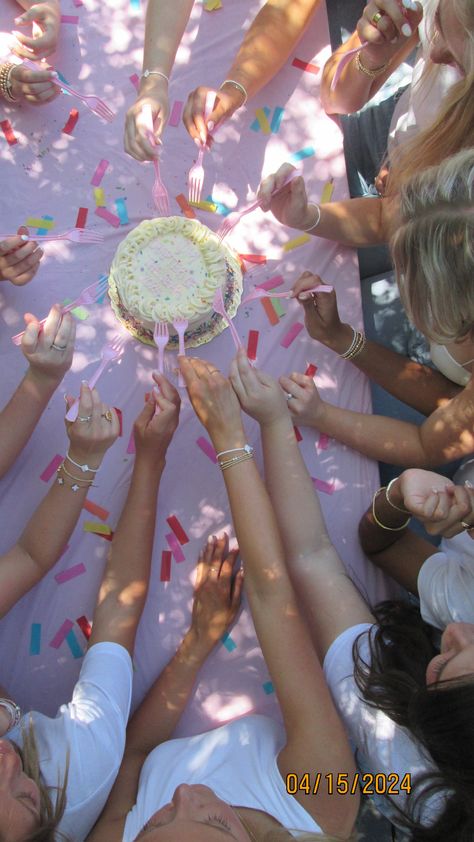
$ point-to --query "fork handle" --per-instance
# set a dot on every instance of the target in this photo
(182, 353)
(161, 359)
(73, 410)
(235, 335)
(66, 309)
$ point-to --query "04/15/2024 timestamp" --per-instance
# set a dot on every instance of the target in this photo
(344, 784)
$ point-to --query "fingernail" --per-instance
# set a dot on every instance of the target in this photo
(406, 29)
(435, 490)
(24, 237)
(197, 142)
(210, 125)
(304, 296)
(84, 382)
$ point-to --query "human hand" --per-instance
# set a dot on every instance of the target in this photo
(217, 593)
(92, 436)
(19, 260)
(46, 20)
(214, 402)
(226, 101)
(49, 348)
(441, 505)
(290, 204)
(155, 426)
(150, 108)
(259, 394)
(34, 86)
(306, 404)
(321, 315)
(387, 34)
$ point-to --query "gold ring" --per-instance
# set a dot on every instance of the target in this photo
(107, 415)
(375, 18)
(466, 525)
(214, 569)
(58, 347)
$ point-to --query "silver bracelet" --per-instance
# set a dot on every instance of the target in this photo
(247, 448)
(13, 710)
(318, 218)
(83, 468)
(236, 85)
(147, 73)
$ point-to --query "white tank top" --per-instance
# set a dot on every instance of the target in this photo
(447, 365)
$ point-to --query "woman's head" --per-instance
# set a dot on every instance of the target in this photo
(433, 248)
(452, 38)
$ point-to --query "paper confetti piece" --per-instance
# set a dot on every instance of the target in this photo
(35, 639)
(227, 641)
(253, 258)
(120, 420)
(97, 528)
(298, 435)
(222, 209)
(305, 65)
(328, 190)
(297, 241)
(307, 152)
(43, 230)
(100, 172)
(165, 572)
(81, 219)
(84, 626)
(185, 207)
(252, 344)
(175, 547)
(77, 3)
(311, 370)
(51, 469)
(71, 122)
(70, 573)
(323, 442)
(255, 126)
(135, 4)
(262, 117)
(99, 197)
(276, 119)
(109, 217)
(268, 688)
(135, 80)
(131, 444)
(207, 206)
(322, 485)
(104, 294)
(207, 448)
(73, 644)
(175, 115)
(212, 5)
(122, 212)
(272, 283)
(293, 332)
(96, 510)
(70, 19)
(7, 130)
(270, 311)
(80, 312)
(178, 530)
(61, 633)
(278, 307)
(37, 222)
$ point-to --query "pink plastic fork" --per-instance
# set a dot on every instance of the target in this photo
(180, 325)
(233, 218)
(219, 307)
(90, 295)
(196, 173)
(74, 235)
(161, 336)
(92, 102)
(159, 191)
(110, 352)
(258, 292)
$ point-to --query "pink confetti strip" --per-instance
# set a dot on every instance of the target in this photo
(207, 448)
(109, 217)
(100, 172)
(323, 442)
(298, 435)
(77, 3)
(175, 115)
(175, 547)
(272, 283)
(135, 80)
(51, 469)
(61, 633)
(70, 19)
(131, 444)
(292, 334)
(178, 530)
(70, 573)
(322, 485)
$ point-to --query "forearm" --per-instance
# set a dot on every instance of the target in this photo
(20, 416)
(27, 4)
(269, 42)
(353, 222)
(164, 27)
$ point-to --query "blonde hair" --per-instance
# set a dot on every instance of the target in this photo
(285, 835)
(433, 249)
(50, 813)
(453, 128)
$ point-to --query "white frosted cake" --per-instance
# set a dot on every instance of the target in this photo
(170, 268)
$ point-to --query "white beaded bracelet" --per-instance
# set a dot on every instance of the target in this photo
(147, 73)
(236, 85)
(318, 219)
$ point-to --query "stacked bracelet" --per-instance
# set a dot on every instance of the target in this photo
(6, 90)
(366, 70)
(357, 345)
(247, 448)
(60, 480)
(83, 468)
(236, 85)
(379, 523)
(228, 463)
(13, 710)
(387, 497)
(318, 219)
(147, 73)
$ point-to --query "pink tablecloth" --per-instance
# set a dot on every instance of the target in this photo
(48, 173)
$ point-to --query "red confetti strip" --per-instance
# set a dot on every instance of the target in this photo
(252, 344)
(81, 220)
(311, 370)
(8, 132)
(178, 530)
(298, 435)
(270, 311)
(71, 125)
(96, 510)
(305, 65)
(84, 626)
(165, 573)
(323, 442)
(185, 206)
(120, 419)
(322, 485)
(253, 258)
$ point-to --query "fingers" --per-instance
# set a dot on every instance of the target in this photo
(52, 323)
(236, 597)
(166, 389)
(12, 244)
(306, 281)
(194, 369)
(296, 384)
(86, 405)
(273, 183)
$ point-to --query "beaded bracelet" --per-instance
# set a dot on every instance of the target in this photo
(234, 461)
(236, 85)
(366, 70)
(357, 345)
(6, 90)
(382, 525)
(13, 710)
(75, 487)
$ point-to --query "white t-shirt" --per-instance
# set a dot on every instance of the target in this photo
(446, 583)
(381, 746)
(238, 761)
(93, 726)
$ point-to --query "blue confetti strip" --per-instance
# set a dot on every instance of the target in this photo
(42, 232)
(135, 4)
(227, 641)
(255, 126)
(277, 118)
(307, 152)
(63, 79)
(222, 209)
(122, 212)
(73, 644)
(102, 297)
(35, 639)
(268, 688)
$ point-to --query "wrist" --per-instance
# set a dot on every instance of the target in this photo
(227, 439)
(41, 381)
(339, 341)
(149, 464)
(82, 457)
(196, 647)
(374, 58)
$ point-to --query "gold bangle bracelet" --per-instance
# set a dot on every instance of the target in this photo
(387, 497)
(382, 525)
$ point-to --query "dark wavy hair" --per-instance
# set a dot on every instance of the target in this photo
(439, 716)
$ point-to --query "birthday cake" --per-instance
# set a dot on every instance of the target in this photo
(170, 268)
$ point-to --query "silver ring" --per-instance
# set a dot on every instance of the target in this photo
(58, 347)
(214, 569)
(289, 396)
(466, 525)
(84, 417)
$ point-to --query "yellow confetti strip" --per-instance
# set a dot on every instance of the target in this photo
(207, 206)
(97, 528)
(212, 5)
(34, 222)
(328, 190)
(263, 120)
(99, 197)
(298, 241)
